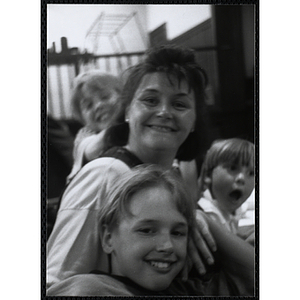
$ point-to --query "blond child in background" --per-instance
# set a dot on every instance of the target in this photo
(227, 180)
(95, 104)
(146, 222)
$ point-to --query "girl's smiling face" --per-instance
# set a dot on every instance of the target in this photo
(150, 245)
(98, 107)
(161, 115)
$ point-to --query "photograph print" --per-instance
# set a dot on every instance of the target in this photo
(150, 149)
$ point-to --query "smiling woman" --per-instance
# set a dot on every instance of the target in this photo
(164, 102)
(160, 116)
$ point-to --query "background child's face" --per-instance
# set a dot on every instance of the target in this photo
(98, 107)
(231, 185)
(150, 246)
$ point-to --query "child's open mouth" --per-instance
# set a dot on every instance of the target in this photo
(236, 194)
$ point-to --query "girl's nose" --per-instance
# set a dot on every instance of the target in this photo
(98, 105)
(164, 243)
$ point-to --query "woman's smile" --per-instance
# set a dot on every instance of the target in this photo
(162, 128)
(161, 115)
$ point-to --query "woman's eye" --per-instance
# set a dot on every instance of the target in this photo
(150, 101)
(179, 105)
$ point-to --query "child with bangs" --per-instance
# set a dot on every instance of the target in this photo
(227, 180)
(95, 103)
(146, 222)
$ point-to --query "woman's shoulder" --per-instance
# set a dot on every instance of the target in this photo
(102, 163)
(95, 178)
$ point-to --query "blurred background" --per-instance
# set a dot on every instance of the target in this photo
(113, 37)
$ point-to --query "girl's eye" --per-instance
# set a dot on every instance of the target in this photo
(87, 104)
(179, 233)
(146, 230)
(105, 97)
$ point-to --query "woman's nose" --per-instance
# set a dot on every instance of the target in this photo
(164, 243)
(164, 111)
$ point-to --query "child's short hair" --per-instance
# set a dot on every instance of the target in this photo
(234, 150)
(138, 178)
(95, 81)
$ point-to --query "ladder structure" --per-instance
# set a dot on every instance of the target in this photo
(110, 26)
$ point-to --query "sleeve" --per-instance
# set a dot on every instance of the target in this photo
(207, 206)
(81, 141)
(218, 283)
(88, 146)
(74, 245)
(224, 284)
(89, 285)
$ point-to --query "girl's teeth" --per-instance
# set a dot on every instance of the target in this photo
(160, 265)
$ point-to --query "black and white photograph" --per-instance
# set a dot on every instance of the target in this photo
(115, 117)
(151, 182)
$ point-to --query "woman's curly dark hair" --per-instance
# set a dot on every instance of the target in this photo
(175, 62)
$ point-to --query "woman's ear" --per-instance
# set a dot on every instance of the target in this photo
(106, 240)
(207, 181)
(193, 127)
(127, 114)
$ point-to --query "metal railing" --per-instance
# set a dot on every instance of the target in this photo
(63, 68)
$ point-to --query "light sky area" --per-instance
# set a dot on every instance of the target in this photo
(74, 21)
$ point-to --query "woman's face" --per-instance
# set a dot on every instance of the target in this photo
(161, 114)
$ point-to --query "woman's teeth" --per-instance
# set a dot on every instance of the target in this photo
(165, 129)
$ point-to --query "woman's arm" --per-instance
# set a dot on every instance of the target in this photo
(75, 236)
(200, 248)
(235, 255)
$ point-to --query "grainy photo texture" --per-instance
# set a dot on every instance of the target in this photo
(150, 149)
